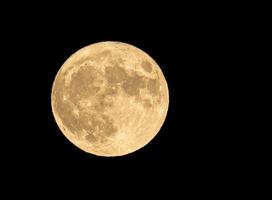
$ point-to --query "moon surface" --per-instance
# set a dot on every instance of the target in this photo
(110, 98)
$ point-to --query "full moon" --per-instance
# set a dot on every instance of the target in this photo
(110, 98)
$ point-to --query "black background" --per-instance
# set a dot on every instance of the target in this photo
(192, 44)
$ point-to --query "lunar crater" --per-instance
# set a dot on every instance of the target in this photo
(146, 66)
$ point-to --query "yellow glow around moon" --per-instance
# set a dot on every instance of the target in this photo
(110, 98)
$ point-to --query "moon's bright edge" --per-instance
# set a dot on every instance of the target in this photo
(110, 98)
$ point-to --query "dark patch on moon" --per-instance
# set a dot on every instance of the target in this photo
(153, 85)
(133, 84)
(115, 74)
(147, 103)
(107, 127)
(101, 105)
(81, 85)
(120, 61)
(104, 125)
(146, 66)
(104, 53)
(91, 138)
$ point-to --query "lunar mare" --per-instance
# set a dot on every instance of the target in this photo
(110, 98)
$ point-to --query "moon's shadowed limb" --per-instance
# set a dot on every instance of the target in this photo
(110, 98)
